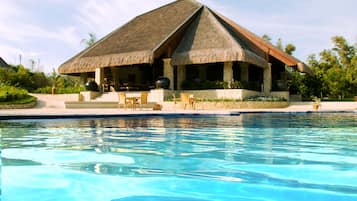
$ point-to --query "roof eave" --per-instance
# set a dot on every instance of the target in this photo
(267, 47)
(89, 64)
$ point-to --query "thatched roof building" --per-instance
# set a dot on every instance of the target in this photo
(201, 36)
(171, 40)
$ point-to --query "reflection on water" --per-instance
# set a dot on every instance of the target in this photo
(268, 120)
(255, 150)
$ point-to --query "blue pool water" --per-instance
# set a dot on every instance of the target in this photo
(253, 157)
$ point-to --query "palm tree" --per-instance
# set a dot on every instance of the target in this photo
(90, 41)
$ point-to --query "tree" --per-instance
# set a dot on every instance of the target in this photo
(266, 38)
(32, 64)
(304, 84)
(290, 48)
(337, 68)
(53, 78)
(279, 44)
(90, 41)
(40, 80)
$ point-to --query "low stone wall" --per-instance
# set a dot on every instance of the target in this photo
(159, 95)
(103, 105)
(19, 106)
(89, 104)
(281, 94)
(295, 97)
(238, 94)
(228, 105)
(88, 95)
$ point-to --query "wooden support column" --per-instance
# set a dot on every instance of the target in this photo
(228, 71)
(181, 76)
(244, 72)
(267, 80)
(99, 78)
(169, 72)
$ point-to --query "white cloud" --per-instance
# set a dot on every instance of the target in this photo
(10, 54)
(102, 17)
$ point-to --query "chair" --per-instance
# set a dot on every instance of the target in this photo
(143, 99)
(187, 99)
(122, 100)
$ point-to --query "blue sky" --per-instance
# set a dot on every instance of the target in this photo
(50, 31)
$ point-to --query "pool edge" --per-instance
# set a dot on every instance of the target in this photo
(161, 114)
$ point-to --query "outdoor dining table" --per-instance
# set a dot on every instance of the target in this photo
(133, 101)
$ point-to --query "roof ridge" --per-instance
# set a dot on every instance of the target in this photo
(165, 5)
(243, 52)
(178, 27)
(223, 29)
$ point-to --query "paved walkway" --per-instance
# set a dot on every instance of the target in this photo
(54, 105)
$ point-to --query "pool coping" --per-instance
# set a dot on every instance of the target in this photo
(160, 114)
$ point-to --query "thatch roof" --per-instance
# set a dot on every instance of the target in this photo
(208, 41)
(186, 31)
(136, 41)
(3, 63)
(267, 47)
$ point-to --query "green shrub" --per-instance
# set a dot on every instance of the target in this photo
(265, 98)
(206, 84)
(236, 85)
(44, 90)
(10, 93)
(70, 90)
(60, 90)
(25, 100)
(198, 85)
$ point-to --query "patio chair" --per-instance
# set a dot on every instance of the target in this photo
(143, 99)
(122, 100)
(187, 99)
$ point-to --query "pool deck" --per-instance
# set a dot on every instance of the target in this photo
(53, 107)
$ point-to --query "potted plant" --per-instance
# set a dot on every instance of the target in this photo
(317, 103)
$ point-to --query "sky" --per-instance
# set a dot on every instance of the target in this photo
(50, 31)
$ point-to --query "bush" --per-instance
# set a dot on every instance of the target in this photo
(198, 85)
(236, 85)
(70, 90)
(44, 90)
(28, 99)
(60, 90)
(265, 98)
(10, 93)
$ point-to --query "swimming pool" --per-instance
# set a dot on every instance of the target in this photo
(254, 157)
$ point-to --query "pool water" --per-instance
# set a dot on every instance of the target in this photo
(252, 157)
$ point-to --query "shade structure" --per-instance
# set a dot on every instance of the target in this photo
(185, 31)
